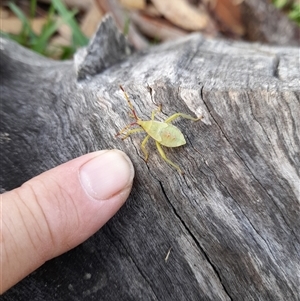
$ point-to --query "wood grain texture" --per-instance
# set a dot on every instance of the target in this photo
(231, 223)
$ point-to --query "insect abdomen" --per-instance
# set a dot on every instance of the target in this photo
(171, 136)
(164, 133)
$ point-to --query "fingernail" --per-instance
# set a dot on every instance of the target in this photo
(107, 174)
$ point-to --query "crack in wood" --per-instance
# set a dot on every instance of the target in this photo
(195, 241)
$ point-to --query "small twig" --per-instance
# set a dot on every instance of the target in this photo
(168, 254)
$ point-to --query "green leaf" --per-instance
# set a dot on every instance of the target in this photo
(39, 43)
(79, 38)
(32, 8)
(19, 14)
(26, 31)
(280, 3)
(295, 13)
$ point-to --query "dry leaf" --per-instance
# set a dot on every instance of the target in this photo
(182, 14)
(91, 20)
(4, 13)
(151, 10)
(133, 4)
(121, 18)
(229, 14)
(156, 27)
(13, 25)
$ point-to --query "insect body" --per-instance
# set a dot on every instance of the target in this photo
(164, 133)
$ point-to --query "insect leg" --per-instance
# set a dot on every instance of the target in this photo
(129, 103)
(143, 147)
(163, 155)
(155, 111)
(132, 132)
(176, 115)
(126, 128)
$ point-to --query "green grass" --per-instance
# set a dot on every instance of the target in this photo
(40, 42)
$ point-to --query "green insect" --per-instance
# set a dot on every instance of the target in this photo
(163, 133)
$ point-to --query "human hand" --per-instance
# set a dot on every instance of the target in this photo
(59, 209)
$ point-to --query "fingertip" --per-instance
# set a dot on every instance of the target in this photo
(107, 174)
(61, 208)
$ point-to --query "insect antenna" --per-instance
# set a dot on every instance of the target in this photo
(130, 104)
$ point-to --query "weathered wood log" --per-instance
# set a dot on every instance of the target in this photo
(226, 230)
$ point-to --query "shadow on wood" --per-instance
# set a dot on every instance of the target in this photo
(229, 227)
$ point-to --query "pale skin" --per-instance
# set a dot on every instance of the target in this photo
(59, 209)
(163, 133)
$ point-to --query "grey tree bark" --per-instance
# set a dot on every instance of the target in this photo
(226, 230)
